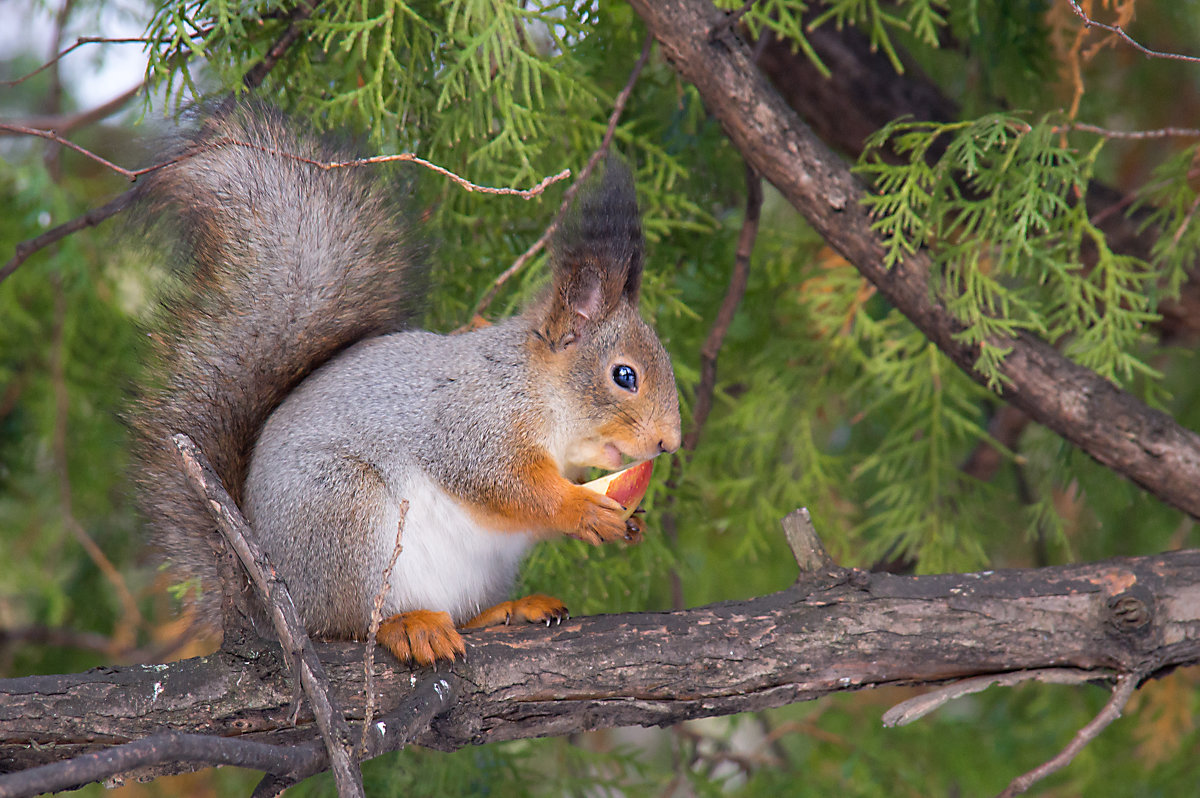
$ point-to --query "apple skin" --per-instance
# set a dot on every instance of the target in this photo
(626, 487)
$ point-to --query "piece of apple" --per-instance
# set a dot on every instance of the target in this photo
(627, 486)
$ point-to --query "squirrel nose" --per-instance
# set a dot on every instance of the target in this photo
(669, 445)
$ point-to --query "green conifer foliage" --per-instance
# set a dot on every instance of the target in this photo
(826, 396)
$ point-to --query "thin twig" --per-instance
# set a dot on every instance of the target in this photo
(89, 219)
(915, 708)
(131, 618)
(68, 122)
(58, 637)
(709, 352)
(57, 139)
(153, 750)
(94, 217)
(1126, 684)
(1091, 23)
(133, 174)
(390, 732)
(523, 193)
(573, 189)
(258, 73)
(1158, 133)
(729, 305)
(286, 620)
(82, 40)
(373, 631)
(1187, 220)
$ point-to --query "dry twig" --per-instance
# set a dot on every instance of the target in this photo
(915, 708)
(729, 305)
(296, 644)
(373, 631)
(1119, 31)
(1126, 684)
(82, 40)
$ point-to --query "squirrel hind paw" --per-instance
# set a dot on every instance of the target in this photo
(421, 636)
(535, 608)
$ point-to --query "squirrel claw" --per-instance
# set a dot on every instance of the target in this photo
(633, 530)
(535, 608)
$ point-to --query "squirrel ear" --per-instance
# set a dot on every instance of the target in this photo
(597, 256)
(575, 304)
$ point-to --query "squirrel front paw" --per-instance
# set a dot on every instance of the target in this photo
(601, 519)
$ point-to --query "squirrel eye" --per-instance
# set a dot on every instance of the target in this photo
(625, 377)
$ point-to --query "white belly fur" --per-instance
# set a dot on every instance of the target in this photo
(448, 562)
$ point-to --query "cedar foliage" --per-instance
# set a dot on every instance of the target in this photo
(827, 397)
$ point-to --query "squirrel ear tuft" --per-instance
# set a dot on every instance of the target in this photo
(597, 254)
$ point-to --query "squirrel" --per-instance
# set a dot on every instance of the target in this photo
(290, 359)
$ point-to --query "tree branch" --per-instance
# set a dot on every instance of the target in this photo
(168, 747)
(1144, 445)
(1119, 31)
(738, 277)
(89, 219)
(1122, 692)
(863, 92)
(258, 73)
(303, 659)
(836, 630)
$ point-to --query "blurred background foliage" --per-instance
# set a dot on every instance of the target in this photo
(825, 398)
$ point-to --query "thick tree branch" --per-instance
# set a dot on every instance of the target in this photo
(836, 630)
(1112, 426)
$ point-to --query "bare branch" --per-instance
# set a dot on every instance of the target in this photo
(89, 219)
(278, 602)
(373, 630)
(131, 175)
(1091, 23)
(915, 708)
(68, 122)
(806, 546)
(1126, 684)
(523, 193)
(94, 217)
(154, 750)
(131, 617)
(739, 276)
(82, 40)
(258, 73)
(1159, 133)
(431, 697)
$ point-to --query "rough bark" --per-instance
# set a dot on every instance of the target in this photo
(1144, 445)
(834, 630)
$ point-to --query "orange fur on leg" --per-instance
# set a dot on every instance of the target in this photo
(421, 636)
(534, 609)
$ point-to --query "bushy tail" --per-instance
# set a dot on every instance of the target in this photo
(289, 264)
